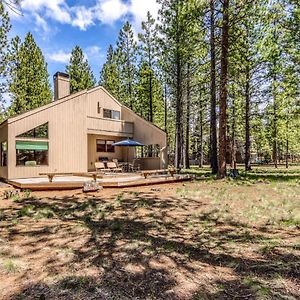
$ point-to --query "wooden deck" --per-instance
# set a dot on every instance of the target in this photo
(76, 182)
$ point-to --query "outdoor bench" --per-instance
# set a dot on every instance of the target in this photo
(150, 172)
(51, 175)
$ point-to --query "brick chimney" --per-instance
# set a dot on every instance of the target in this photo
(61, 85)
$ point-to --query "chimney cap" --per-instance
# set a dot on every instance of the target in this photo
(62, 74)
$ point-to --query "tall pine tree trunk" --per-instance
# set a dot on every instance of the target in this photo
(165, 104)
(287, 143)
(150, 98)
(223, 91)
(247, 120)
(213, 117)
(188, 108)
(233, 143)
(201, 135)
(275, 144)
(179, 127)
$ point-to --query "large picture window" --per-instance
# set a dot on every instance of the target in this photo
(105, 146)
(4, 154)
(111, 114)
(31, 153)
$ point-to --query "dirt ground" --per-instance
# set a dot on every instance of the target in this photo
(198, 240)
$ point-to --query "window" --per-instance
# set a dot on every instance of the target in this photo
(105, 146)
(37, 132)
(4, 154)
(101, 146)
(109, 146)
(115, 115)
(111, 114)
(98, 108)
(29, 153)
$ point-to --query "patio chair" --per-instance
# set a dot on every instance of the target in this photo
(135, 167)
(99, 166)
(115, 160)
(113, 167)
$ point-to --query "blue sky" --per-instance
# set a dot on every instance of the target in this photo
(59, 25)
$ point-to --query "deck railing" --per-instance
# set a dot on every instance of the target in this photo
(98, 125)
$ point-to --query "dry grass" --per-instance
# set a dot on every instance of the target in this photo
(201, 240)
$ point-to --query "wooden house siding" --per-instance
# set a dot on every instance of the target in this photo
(67, 139)
(3, 138)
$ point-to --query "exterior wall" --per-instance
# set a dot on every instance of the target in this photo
(93, 155)
(97, 124)
(106, 101)
(67, 137)
(147, 134)
(3, 138)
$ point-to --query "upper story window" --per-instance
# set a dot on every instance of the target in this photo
(111, 114)
(37, 132)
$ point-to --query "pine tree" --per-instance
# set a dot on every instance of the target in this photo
(81, 75)
(275, 47)
(29, 79)
(173, 31)
(223, 90)
(109, 76)
(148, 49)
(142, 104)
(4, 43)
(213, 115)
(126, 53)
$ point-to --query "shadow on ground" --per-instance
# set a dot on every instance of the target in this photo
(138, 246)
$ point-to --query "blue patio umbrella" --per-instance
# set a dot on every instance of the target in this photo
(128, 143)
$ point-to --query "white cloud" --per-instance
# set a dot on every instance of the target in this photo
(41, 23)
(139, 9)
(60, 56)
(109, 11)
(55, 9)
(93, 51)
(105, 11)
(83, 17)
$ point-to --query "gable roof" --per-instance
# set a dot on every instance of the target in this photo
(68, 98)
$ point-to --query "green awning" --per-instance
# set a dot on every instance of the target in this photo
(28, 145)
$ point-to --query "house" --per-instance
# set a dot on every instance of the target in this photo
(74, 131)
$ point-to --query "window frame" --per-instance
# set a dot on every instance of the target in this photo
(34, 130)
(34, 154)
(111, 113)
(100, 144)
(105, 146)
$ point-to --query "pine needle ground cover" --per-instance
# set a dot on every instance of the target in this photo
(206, 239)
